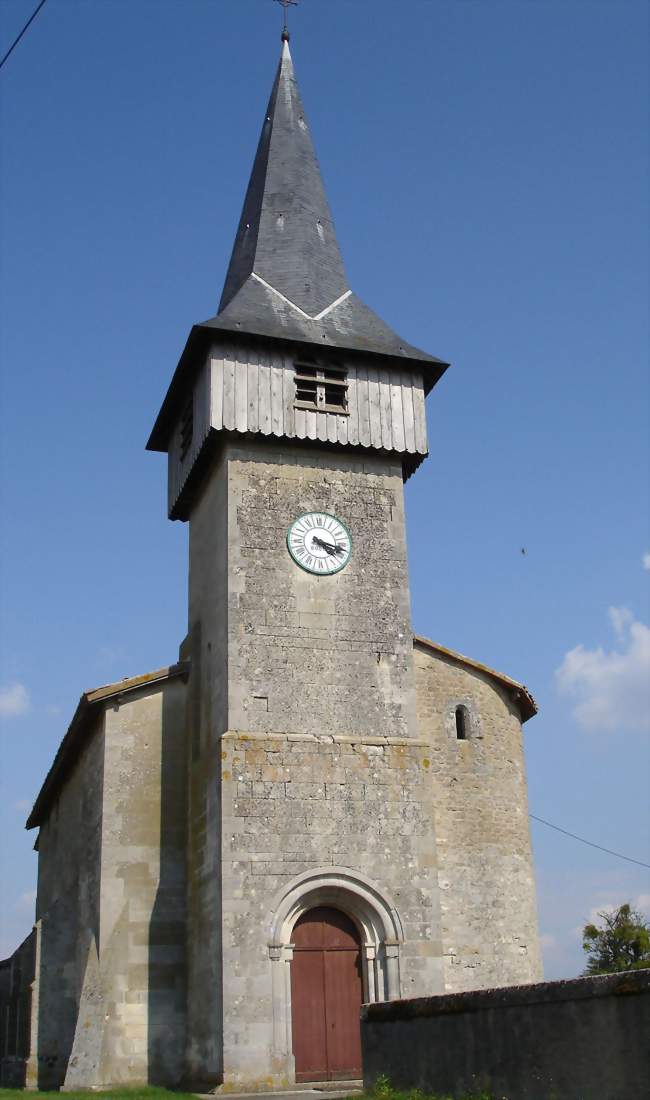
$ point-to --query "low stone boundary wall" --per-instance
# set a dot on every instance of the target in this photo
(16, 978)
(586, 1039)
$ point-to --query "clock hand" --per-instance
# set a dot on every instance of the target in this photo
(325, 545)
(328, 546)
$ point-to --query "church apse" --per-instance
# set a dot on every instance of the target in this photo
(485, 865)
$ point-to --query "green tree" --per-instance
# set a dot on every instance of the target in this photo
(620, 942)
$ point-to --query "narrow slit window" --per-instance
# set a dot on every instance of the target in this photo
(462, 724)
(187, 428)
(322, 387)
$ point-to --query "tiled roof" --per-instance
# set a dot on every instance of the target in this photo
(81, 727)
(518, 692)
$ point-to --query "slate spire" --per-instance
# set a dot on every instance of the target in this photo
(286, 235)
(286, 280)
(286, 277)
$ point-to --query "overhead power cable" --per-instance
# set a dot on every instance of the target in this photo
(589, 842)
(17, 40)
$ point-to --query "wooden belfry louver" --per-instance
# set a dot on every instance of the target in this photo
(321, 385)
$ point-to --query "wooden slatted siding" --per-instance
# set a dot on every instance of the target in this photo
(253, 390)
(179, 469)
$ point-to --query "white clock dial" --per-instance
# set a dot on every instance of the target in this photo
(319, 543)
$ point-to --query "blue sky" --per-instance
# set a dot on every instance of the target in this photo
(487, 165)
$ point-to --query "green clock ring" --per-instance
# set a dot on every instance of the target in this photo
(319, 543)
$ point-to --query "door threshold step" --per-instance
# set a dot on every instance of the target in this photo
(331, 1089)
(333, 1086)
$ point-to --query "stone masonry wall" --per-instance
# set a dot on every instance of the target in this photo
(294, 803)
(67, 909)
(319, 675)
(487, 884)
(141, 977)
(110, 985)
(206, 718)
(313, 654)
(584, 1039)
(17, 973)
(308, 751)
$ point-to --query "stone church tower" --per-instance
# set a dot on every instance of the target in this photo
(312, 808)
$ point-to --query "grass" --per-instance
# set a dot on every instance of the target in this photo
(146, 1092)
(382, 1091)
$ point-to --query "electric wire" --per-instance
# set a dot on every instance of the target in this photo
(17, 40)
(589, 842)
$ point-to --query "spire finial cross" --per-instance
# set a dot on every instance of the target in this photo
(286, 4)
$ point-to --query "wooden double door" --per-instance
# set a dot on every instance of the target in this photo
(326, 995)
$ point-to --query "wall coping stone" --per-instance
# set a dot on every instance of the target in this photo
(627, 983)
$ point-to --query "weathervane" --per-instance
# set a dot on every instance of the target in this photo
(286, 4)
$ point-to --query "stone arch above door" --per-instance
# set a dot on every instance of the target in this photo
(368, 905)
(380, 930)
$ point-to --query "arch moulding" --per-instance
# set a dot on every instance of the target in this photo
(378, 923)
(372, 910)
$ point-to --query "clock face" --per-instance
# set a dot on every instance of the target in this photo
(319, 543)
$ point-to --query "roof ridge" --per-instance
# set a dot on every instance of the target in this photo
(81, 723)
(520, 691)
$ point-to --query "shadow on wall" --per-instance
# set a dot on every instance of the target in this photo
(16, 978)
(167, 966)
(570, 1039)
(77, 1011)
(68, 996)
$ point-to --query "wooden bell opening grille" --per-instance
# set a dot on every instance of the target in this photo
(321, 387)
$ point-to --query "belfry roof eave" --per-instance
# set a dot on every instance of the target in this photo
(518, 692)
(204, 332)
(75, 737)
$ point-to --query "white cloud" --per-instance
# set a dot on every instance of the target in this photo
(595, 912)
(611, 689)
(14, 700)
(22, 805)
(621, 619)
(646, 560)
(641, 903)
(547, 941)
(594, 916)
(571, 898)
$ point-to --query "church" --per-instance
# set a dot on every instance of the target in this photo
(311, 808)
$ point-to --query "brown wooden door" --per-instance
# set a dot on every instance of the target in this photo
(326, 995)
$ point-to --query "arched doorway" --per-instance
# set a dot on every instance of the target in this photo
(326, 995)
